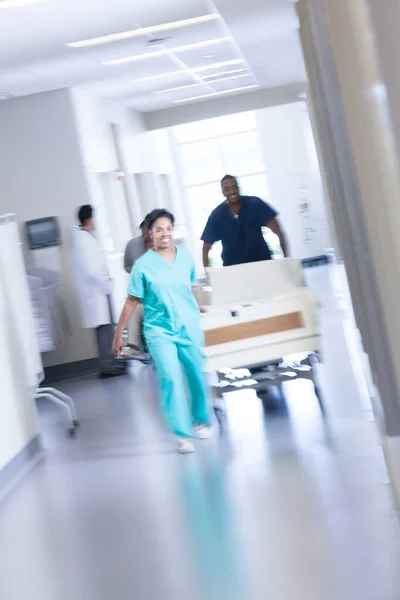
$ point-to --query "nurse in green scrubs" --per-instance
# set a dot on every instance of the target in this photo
(162, 281)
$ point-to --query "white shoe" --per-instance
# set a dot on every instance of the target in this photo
(203, 432)
(185, 446)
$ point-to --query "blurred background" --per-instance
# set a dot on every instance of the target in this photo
(132, 106)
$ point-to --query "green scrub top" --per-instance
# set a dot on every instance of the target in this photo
(170, 309)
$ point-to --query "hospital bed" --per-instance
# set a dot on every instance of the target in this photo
(260, 326)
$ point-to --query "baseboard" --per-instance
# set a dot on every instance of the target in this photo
(71, 370)
(19, 466)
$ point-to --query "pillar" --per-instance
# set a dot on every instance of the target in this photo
(349, 88)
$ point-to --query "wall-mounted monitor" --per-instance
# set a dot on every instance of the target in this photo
(43, 233)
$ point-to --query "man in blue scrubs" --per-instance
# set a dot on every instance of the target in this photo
(237, 223)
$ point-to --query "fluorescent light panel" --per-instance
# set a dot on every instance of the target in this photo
(212, 76)
(213, 94)
(188, 71)
(217, 65)
(200, 83)
(140, 31)
(167, 51)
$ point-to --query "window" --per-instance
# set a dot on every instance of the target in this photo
(241, 152)
(201, 162)
(208, 150)
(193, 132)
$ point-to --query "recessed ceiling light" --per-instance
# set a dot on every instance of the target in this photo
(200, 83)
(208, 56)
(213, 94)
(167, 51)
(201, 69)
(140, 31)
(9, 4)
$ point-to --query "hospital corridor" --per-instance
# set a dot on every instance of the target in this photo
(199, 267)
(282, 503)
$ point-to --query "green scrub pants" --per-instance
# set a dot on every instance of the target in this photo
(173, 357)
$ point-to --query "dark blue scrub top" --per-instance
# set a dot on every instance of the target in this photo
(241, 237)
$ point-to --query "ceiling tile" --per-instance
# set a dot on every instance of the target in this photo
(18, 82)
(208, 56)
(168, 40)
(74, 20)
(19, 40)
(33, 43)
(128, 87)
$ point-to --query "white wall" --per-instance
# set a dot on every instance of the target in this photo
(293, 176)
(18, 418)
(94, 116)
(52, 146)
(226, 105)
(20, 363)
(141, 151)
(41, 174)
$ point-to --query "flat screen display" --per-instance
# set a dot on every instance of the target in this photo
(43, 233)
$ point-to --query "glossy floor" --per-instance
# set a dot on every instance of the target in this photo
(282, 506)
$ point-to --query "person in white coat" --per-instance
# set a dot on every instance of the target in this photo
(94, 288)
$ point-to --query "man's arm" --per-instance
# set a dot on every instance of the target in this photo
(211, 235)
(268, 219)
(206, 251)
(276, 228)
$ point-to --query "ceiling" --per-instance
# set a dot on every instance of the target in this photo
(244, 46)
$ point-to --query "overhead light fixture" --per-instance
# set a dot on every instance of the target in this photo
(218, 65)
(9, 4)
(180, 87)
(167, 51)
(214, 94)
(141, 31)
(201, 69)
(212, 76)
(200, 83)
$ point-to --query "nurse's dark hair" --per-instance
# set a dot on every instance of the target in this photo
(226, 177)
(158, 213)
(84, 213)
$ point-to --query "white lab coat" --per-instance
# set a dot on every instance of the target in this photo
(90, 278)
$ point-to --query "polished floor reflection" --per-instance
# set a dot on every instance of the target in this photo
(283, 505)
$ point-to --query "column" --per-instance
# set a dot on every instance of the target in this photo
(355, 125)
